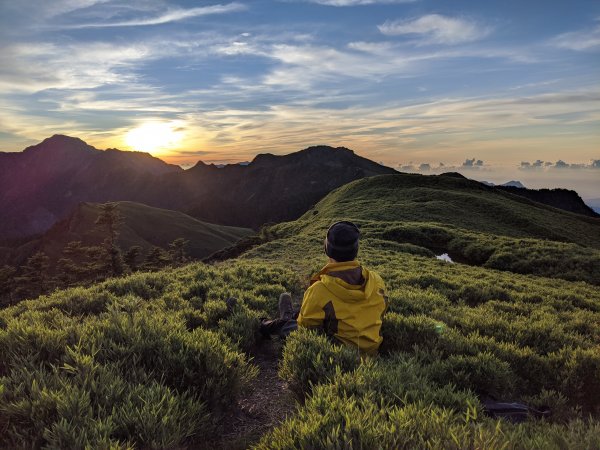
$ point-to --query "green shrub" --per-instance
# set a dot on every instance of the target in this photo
(581, 380)
(482, 373)
(154, 416)
(403, 333)
(200, 362)
(310, 358)
(145, 285)
(333, 422)
(242, 328)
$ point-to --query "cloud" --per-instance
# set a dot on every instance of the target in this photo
(171, 15)
(560, 164)
(536, 165)
(437, 29)
(357, 2)
(305, 65)
(371, 47)
(583, 40)
(42, 10)
(407, 168)
(193, 152)
(476, 164)
(468, 166)
(35, 67)
(473, 163)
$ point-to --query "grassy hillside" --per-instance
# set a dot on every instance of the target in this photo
(155, 360)
(143, 225)
(460, 202)
(475, 224)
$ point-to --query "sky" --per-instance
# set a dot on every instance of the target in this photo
(497, 90)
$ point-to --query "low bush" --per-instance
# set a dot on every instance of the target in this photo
(403, 333)
(146, 361)
(310, 358)
(330, 421)
(242, 328)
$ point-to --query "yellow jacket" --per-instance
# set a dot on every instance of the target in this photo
(348, 302)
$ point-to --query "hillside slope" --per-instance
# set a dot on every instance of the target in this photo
(143, 225)
(457, 202)
(432, 215)
(156, 360)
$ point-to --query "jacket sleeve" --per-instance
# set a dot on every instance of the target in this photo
(311, 312)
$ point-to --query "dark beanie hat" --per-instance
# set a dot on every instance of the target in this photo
(341, 242)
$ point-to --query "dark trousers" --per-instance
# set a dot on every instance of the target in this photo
(278, 327)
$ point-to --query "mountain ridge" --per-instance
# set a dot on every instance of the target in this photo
(41, 185)
(39, 189)
(565, 199)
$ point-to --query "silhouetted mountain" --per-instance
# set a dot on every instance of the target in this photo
(459, 175)
(593, 203)
(564, 199)
(513, 183)
(559, 198)
(271, 188)
(43, 184)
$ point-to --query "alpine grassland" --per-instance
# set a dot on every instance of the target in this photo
(157, 360)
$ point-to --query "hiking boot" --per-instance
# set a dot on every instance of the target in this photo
(286, 311)
(231, 303)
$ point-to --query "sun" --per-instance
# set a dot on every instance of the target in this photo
(153, 136)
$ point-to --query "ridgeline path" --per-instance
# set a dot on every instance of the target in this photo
(266, 404)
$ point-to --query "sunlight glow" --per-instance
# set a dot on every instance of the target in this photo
(154, 136)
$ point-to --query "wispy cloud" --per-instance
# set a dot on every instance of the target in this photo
(36, 67)
(583, 40)
(371, 47)
(171, 15)
(437, 29)
(357, 2)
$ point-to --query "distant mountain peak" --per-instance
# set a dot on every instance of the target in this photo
(323, 154)
(61, 143)
(63, 138)
(453, 175)
(325, 149)
(514, 183)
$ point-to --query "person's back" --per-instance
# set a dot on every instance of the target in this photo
(348, 302)
(345, 300)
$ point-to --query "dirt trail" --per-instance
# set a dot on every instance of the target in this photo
(267, 403)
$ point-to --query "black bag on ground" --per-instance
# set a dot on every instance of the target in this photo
(513, 411)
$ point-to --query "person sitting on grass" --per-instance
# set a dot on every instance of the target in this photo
(345, 300)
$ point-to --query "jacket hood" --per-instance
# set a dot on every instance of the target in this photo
(347, 280)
